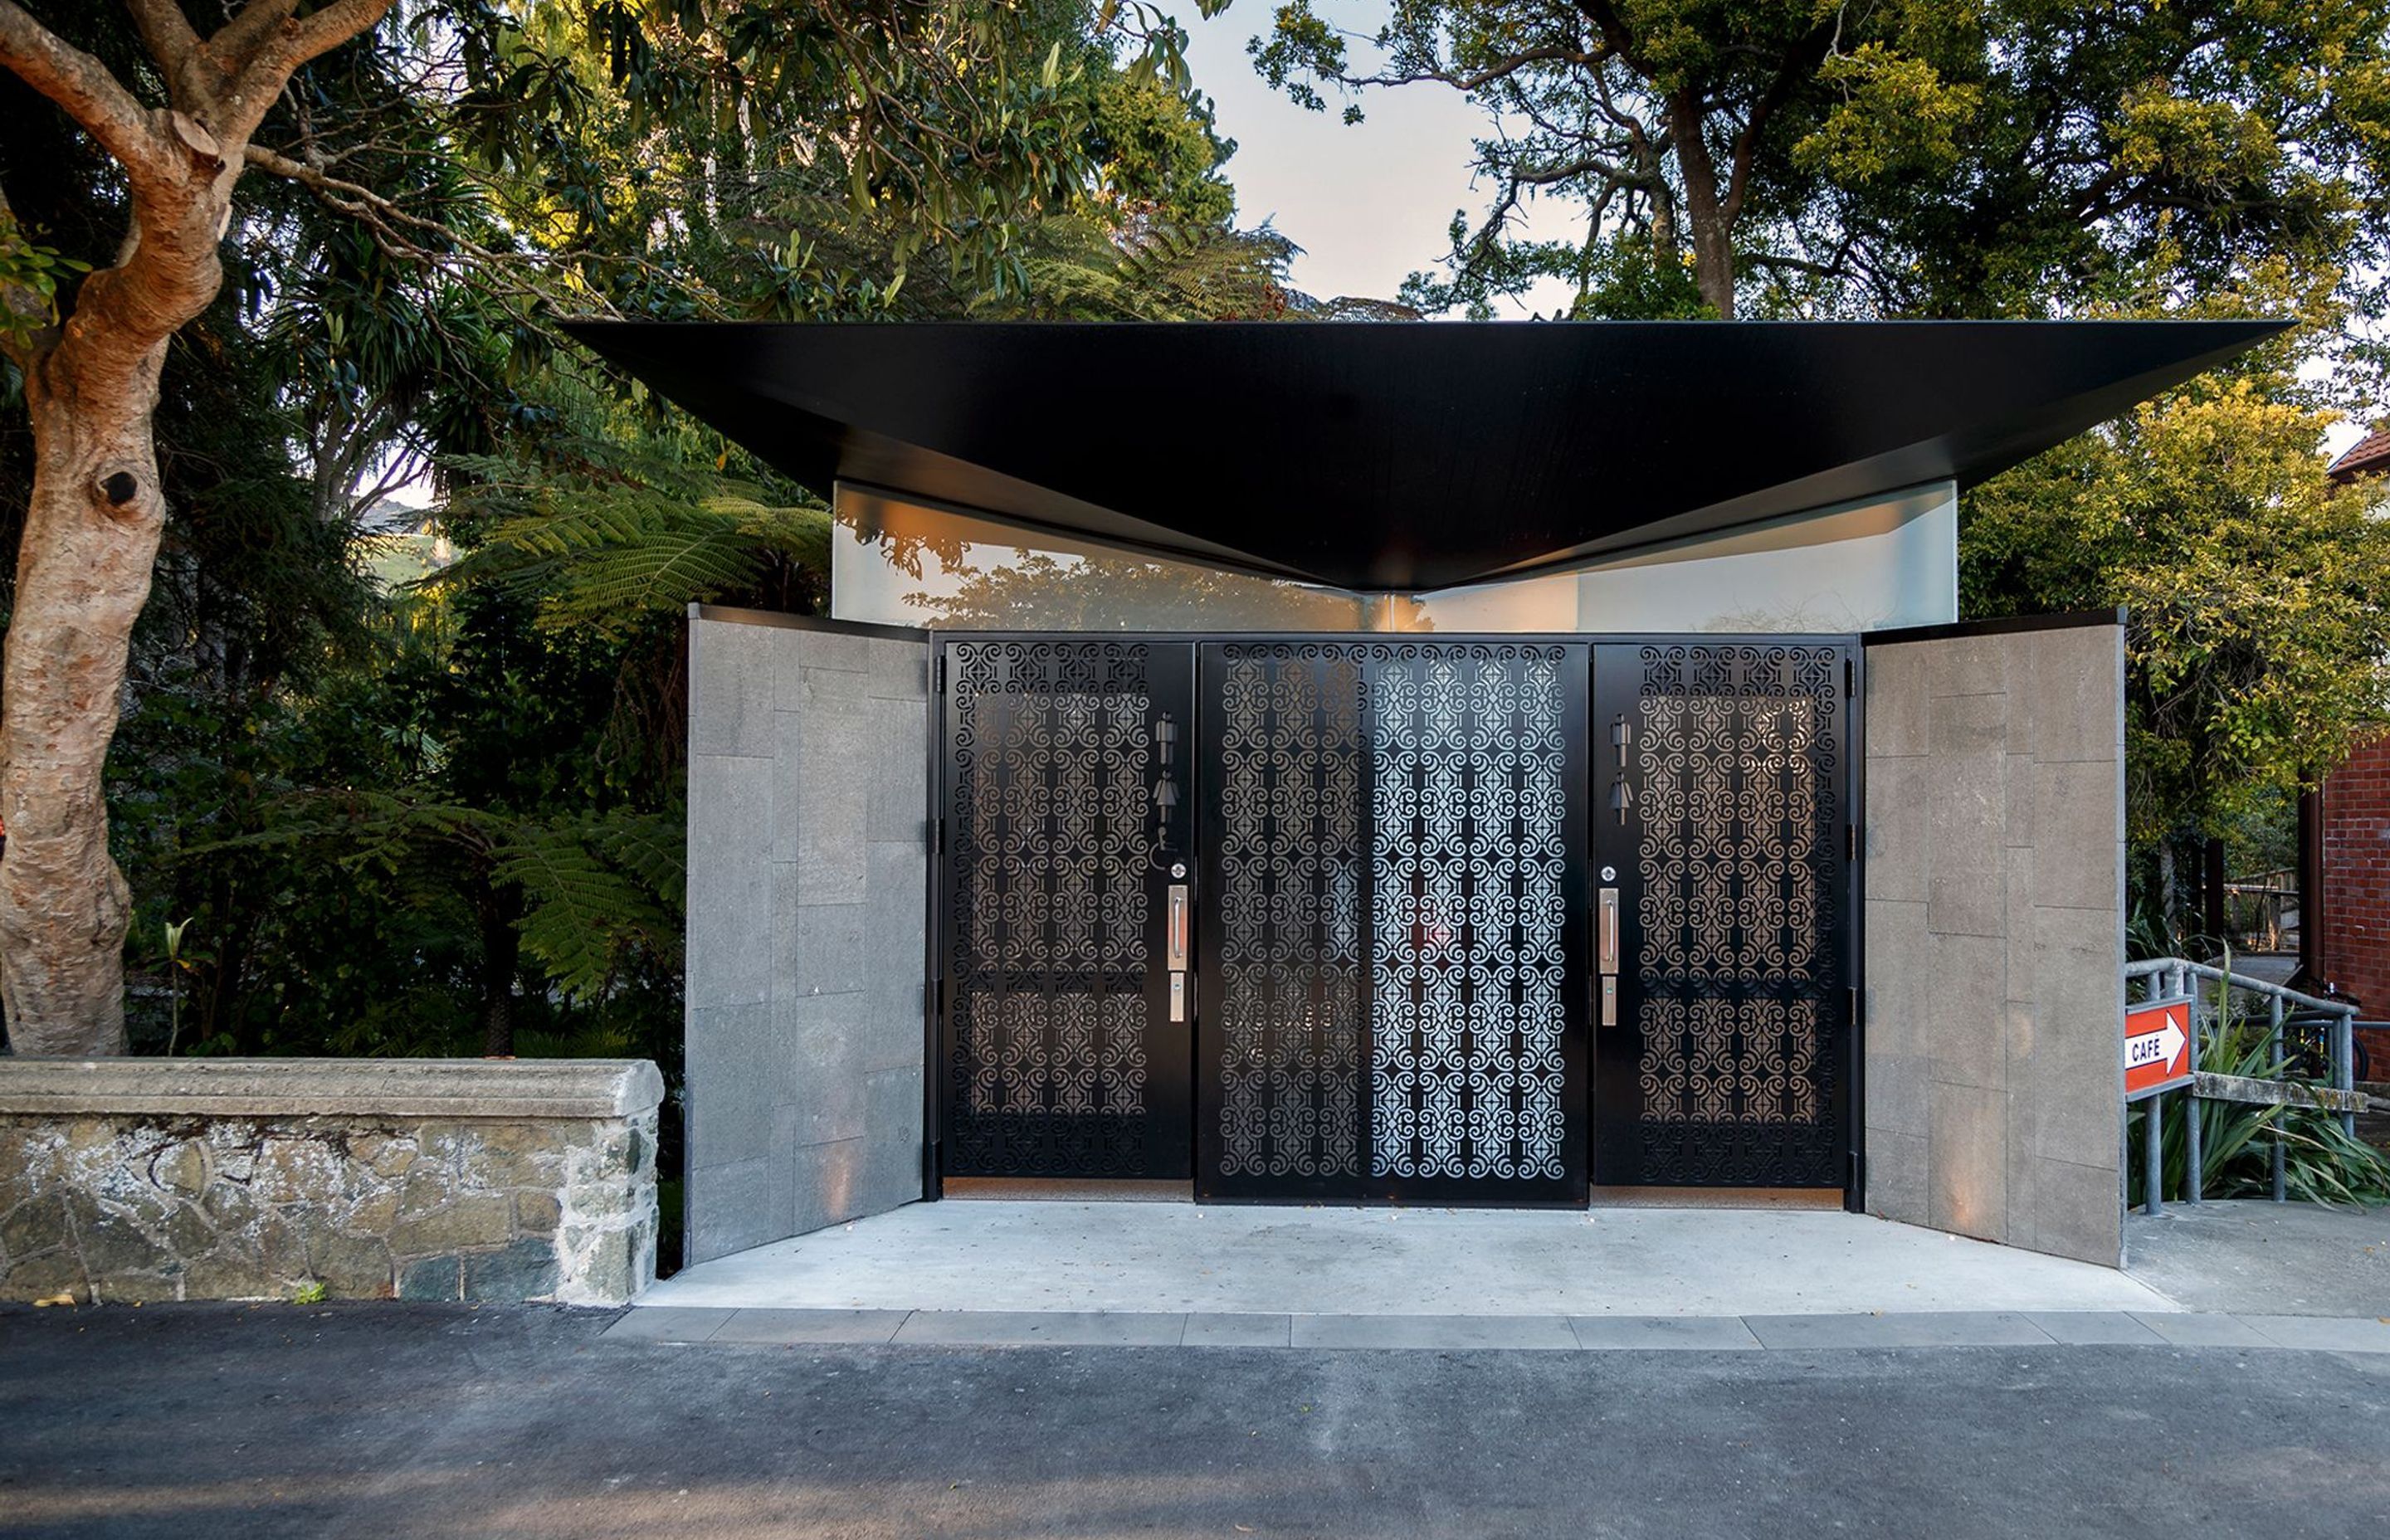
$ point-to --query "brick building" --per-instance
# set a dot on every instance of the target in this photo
(2346, 844)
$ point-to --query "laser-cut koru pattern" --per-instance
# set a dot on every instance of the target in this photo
(1048, 857)
(1738, 765)
(1390, 851)
(1466, 966)
(1290, 848)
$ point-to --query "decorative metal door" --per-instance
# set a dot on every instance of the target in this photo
(1064, 1056)
(1393, 922)
(1722, 831)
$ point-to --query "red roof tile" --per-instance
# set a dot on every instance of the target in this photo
(2368, 457)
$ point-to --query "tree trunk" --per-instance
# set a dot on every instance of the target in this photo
(91, 533)
(83, 574)
(501, 960)
(1712, 226)
(2170, 896)
(2211, 894)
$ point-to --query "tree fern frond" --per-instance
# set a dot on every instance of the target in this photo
(584, 911)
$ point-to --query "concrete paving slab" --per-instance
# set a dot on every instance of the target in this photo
(1700, 1333)
(2248, 1254)
(2184, 1330)
(2369, 1334)
(2094, 1327)
(961, 1255)
(1474, 1332)
(1239, 1331)
(435, 1421)
(669, 1324)
(1031, 1328)
(1939, 1329)
(980, 1328)
(809, 1326)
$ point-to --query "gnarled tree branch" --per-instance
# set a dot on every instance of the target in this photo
(165, 31)
(317, 35)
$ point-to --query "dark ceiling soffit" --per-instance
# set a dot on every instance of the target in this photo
(1396, 426)
(1967, 458)
(820, 452)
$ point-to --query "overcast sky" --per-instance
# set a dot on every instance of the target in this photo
(1368, 204)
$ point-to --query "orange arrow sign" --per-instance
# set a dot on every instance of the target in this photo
(2157, 1046)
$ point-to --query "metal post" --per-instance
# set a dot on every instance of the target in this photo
(2194, 1139)
(2282, 1151)
(2154, 1160)
(2344, 1064)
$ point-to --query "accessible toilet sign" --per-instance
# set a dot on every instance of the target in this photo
(2157, 1048)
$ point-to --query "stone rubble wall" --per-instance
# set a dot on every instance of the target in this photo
(490, 1197)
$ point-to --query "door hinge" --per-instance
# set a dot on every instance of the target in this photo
(1854, 1004)
(1850, 678)
(1858, 1172)
(1850, 841)
(937, 834)
(938, 673)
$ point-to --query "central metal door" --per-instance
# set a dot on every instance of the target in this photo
(1392, 921)
(1724, 835)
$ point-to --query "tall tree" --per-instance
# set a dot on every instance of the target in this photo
(462, 145)
(92, 531)
(1914, 157)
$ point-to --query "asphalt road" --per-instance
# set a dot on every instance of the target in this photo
(189, 1421)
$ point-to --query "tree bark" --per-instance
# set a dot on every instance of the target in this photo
(1711, 223)
(83, 574)
(93, 528)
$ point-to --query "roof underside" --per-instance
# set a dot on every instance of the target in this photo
(1407, 458)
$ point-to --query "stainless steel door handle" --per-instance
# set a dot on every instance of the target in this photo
(1606, 949)
(1175, 927)
(1174, 930)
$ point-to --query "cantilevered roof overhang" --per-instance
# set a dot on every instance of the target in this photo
(1407, 456)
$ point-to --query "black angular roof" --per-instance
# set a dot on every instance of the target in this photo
(1407, 456)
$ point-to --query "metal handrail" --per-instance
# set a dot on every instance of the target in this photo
(2181, 965)
(2173, 978)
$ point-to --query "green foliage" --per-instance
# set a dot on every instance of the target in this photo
(602, 530)
(30, 269)
(1895, 115)
(405, 822)
(1156, 153)
(1916, 158)
(2256, 642)
(598, 888)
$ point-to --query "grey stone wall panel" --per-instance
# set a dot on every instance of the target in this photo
(729, 815)
(730, 683)
(1996, 795)
(820, 900)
